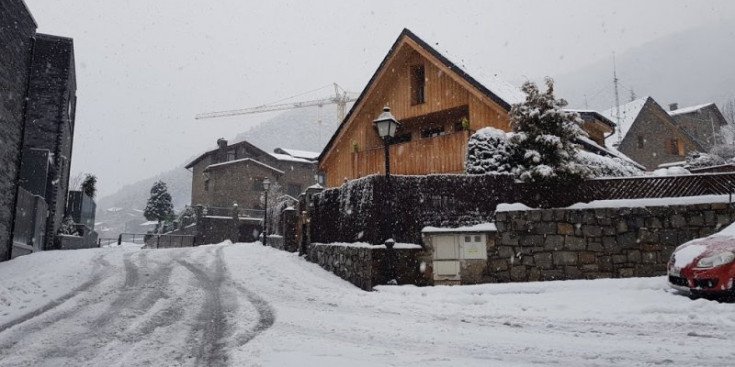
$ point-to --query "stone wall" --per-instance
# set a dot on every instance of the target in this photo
(596, 243)
(17, 29)
(364, 265)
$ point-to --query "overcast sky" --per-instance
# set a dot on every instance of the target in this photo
(145, 67)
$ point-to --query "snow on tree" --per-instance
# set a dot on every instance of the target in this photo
(541, 148)
(545, 134)
(159, 206)
(89, 185)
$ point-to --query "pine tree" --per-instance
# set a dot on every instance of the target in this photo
(544, 135)
(89, 185)
(159, 205)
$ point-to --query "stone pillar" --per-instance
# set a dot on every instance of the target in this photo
(290, 219)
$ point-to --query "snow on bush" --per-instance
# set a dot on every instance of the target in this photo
(492, 151)
(599, 166)
(698, 160)
(489, 151)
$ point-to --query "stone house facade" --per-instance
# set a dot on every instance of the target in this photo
(703, 122)
(648, 135)
(50, 120)
(17, 28)
(235, 173)
(38, 81)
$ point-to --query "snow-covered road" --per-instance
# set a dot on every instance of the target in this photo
(246, 305)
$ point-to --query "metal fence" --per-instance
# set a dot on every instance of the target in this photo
(151, 240)
(212, 211)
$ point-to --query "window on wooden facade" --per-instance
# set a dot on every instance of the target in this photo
(641, 142)
(430, 132)
(418, 85)
(401, 138)
(675, 147)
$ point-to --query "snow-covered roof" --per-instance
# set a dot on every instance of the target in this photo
(628, 113)
(482, 227)
(684, 110)
(298, 153)
(242, 161)
(288, 158)
(610, 151)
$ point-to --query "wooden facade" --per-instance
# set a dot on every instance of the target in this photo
(438, 115)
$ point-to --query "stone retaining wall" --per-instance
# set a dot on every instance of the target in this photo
(363, 265)
(596, 243)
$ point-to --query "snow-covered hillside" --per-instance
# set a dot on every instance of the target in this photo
(249, 305)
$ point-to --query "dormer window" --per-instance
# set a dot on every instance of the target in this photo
(418, 85)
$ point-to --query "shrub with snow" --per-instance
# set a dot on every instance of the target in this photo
(489, 151)
(599, 166)
(697, 160)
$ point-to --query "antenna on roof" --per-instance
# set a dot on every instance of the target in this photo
(617, 101)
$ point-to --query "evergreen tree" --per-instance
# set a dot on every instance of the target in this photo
(89, 185)
(543, 134)
(159, 205)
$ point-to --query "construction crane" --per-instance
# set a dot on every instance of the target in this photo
(341, 99)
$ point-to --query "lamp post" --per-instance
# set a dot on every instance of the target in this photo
(387, 125)
(266, 186)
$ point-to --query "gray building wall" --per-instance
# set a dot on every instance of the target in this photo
(237, 182)
(17, 29)
(50, 118)
(704, 125)
(656, 127)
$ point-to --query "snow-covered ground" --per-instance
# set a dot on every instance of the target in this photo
(247, 305)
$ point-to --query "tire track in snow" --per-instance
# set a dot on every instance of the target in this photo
(211, 326)
(266, 315)
(97, 277)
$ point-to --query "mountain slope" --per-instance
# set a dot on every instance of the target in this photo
(690, 68)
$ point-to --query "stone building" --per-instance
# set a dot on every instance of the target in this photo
(235, 173)
(703, 122)
(17, 29)
(648, 134)
(38, 87)
(50, 124)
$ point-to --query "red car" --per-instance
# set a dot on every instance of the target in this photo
(705, 266)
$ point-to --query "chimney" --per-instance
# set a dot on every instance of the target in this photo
(222, 143)
(673, 106)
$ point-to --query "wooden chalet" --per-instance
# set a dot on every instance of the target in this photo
(439, 105)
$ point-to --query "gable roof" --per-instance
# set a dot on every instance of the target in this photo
(502, 92)
(628, 114)
(236, 145)
(698, 109)
(592, 114)
(298, 153)
(630, 111)
(243, 160)
(689, 109)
